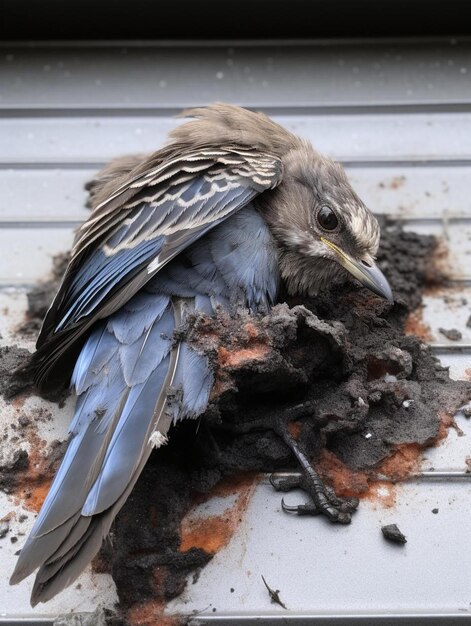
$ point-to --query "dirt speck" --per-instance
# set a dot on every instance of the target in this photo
(451, 333)
(393, 183)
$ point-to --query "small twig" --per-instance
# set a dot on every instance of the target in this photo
(274, 594)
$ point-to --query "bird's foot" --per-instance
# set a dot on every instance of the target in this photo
(324, 500)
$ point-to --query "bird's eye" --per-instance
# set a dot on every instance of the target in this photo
(327, 218)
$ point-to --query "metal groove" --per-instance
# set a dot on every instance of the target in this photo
(425, 476)
(39, 224)
(333, 108)
(347, 161)
(391, 219)
(338, 619)
(298, 618)
(450, 348)
(27, 621)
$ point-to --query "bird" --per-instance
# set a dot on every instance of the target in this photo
(233, 207)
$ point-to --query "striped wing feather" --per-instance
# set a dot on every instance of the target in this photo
(168, 202)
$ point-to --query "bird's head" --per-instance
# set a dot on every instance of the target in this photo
(323, 229)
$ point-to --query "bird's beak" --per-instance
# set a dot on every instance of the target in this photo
(368, 274)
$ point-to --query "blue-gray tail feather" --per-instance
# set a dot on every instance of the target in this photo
(123, 377)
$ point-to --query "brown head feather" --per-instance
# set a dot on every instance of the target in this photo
(221, 123)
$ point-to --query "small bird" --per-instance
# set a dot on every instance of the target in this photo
(231, 208)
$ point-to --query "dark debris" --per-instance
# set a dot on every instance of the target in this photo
(452, 334)
(392, 533)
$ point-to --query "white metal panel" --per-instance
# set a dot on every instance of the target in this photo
(27, 253)
(94, 139)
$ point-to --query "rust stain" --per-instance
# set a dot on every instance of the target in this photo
(415, 325)
(237, 357)
(401, 463)
(32, 484)
(151, 613)
(251, 330)
(441, 265)
(446, 422)
(209, 534)
(18, 403)
(213, 533)
(404, 461)
(345, 481)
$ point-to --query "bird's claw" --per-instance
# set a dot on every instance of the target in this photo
(324, 499)
(285, 484)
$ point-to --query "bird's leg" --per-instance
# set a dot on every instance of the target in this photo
(324, 500)
(266, 422)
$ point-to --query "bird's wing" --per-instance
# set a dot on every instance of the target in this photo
(170, 201)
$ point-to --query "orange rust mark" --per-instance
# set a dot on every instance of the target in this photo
(32, 484)
(446, 422)
(251, 330)
(151, 613)
(209, 535)
(239, 356)
(361, 484)
(213, 533)
(415, 325)
(18, 403)
(345, 481)
(441, 265)
(294, 429)
(404, 461)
